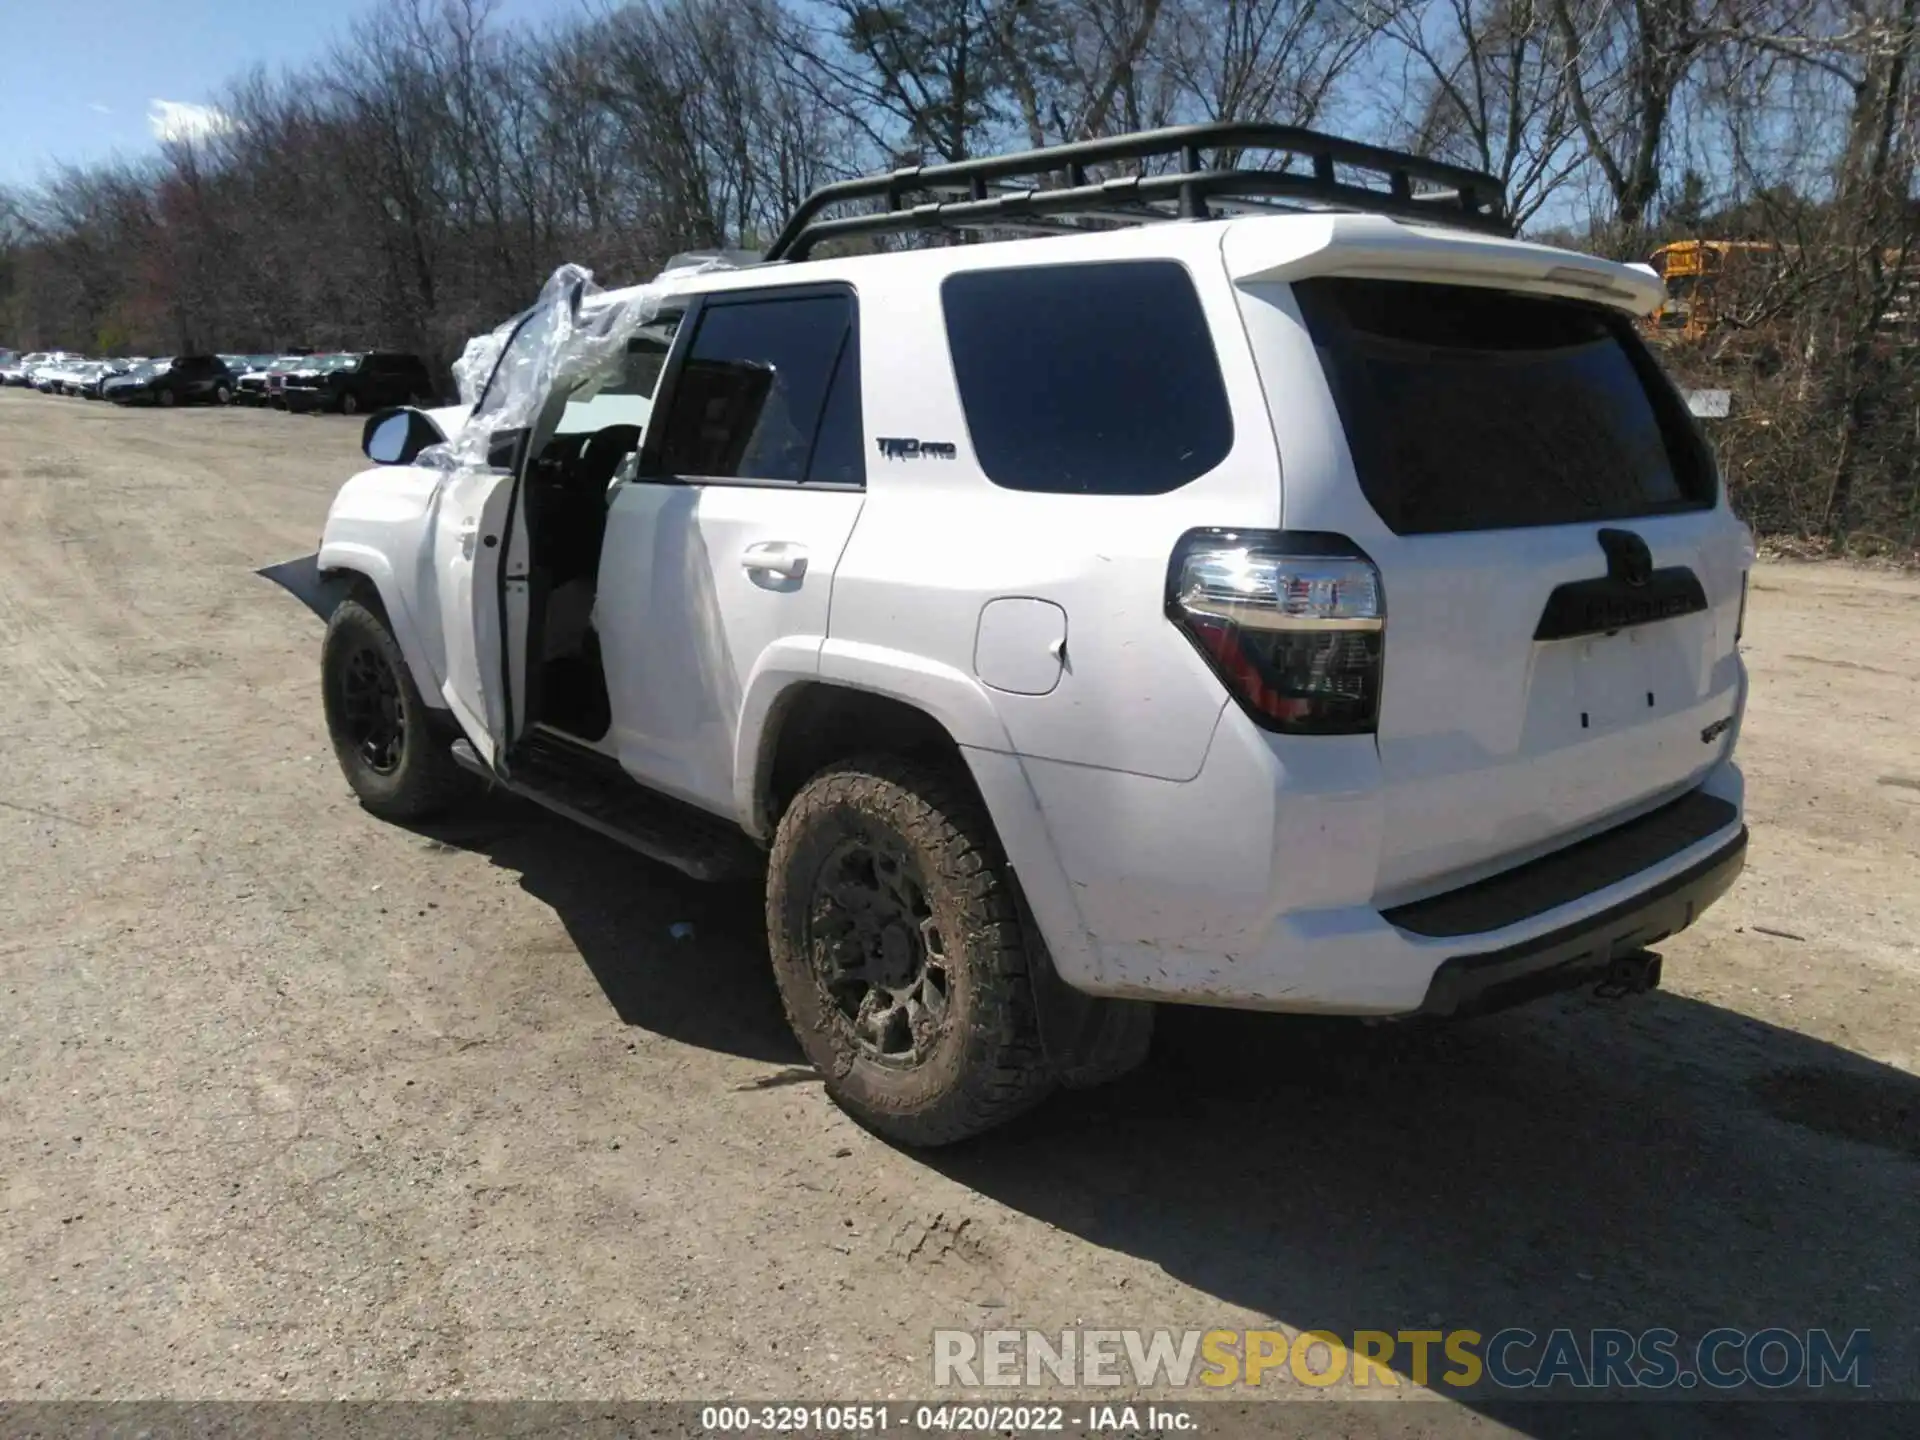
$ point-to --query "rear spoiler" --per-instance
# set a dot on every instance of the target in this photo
(1373, 247)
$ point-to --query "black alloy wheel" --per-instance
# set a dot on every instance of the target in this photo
(879, 953)
(373, 708)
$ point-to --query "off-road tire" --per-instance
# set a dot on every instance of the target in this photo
(426, 781)
(987, 1064)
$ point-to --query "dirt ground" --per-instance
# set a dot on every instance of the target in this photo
(296, 1103)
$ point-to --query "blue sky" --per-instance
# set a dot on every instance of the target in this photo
(83, 79)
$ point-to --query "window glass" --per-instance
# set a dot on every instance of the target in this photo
(752, 397)
(1088, 379)
(840, 454)
(1468, 408)
(627, 397)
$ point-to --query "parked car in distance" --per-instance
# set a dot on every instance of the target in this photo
(26, 371)
(105, 370)
(49, 378)
(83, 379)
(350, 383)
(181, 380)
(251, 386)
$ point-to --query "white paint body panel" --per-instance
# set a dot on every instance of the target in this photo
(380, 527)
(1021, 645)
(686, 627)
(1168, 847)
(469, 519)
(1481, 749)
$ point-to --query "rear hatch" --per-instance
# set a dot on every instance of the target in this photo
(1562, 586)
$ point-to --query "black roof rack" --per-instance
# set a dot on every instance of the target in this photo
(1047, 190)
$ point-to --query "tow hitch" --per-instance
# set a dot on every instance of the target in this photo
(1633, 974)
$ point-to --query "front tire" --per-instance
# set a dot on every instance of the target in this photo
(168, 399)
(349, 403)
(222, 395)
(396, 758)
(899, 953)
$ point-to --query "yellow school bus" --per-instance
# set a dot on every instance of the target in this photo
(1697, 273)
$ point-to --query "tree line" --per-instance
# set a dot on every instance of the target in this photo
(414, 186)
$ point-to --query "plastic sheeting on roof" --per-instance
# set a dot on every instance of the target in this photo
(571, 337)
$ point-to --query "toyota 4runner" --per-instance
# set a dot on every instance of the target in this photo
(1267, 588)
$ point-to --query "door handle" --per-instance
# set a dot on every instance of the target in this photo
(776, 557)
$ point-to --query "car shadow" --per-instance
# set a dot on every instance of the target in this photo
(1652, 1162)
(679, 959)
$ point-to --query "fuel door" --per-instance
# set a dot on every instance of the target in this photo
(1021, 645)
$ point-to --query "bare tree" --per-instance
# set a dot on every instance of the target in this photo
(1625, 63)
(1486, 86)
(1261, 59)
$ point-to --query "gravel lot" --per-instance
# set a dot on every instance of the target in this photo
(295, 1103)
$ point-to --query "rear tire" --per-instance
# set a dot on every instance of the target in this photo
(349, 403)
(899, 953)
(168, 399)
(395, 755)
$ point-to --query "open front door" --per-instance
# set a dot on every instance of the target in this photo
(470, 542)
(479, 540)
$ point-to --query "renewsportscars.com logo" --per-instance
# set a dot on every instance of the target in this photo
(1509, 1359)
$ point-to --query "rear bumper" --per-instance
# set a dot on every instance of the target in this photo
(1237, 891)
(1580, 953)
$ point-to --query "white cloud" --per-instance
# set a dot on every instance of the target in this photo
(172, 120)
(100, 109)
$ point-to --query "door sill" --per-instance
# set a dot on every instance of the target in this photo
(571, 779)
(603, 747)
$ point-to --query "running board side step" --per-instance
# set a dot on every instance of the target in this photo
(592, 790)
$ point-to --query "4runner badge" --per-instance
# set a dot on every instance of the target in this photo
(895, 449)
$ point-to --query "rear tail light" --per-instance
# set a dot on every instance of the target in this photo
(1292, 622)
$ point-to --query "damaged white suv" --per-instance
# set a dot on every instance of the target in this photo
(1282, 589)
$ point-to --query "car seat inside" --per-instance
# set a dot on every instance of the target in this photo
(566, 518)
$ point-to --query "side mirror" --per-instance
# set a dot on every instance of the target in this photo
(395, 437)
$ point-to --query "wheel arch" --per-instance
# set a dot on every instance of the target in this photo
(360, 573)
(814, 723)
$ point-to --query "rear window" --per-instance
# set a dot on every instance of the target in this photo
(1088, 379)
(1475, 409)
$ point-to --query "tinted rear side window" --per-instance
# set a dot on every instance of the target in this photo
(1475, 409)
(1088, 379)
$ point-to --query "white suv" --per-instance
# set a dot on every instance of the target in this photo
(1296, 609)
